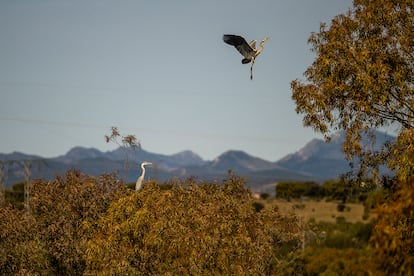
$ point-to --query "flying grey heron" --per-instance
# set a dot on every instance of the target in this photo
(138, 184)
(248, 50)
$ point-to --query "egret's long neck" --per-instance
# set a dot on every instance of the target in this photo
(143, 170)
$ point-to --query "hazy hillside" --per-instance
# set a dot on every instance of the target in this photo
(317, 160)
(326, 160)
(240, 161)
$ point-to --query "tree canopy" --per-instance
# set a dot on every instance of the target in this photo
(191, 229)
(363, 74)
(79, 224)
(393, 237)
(363, 78)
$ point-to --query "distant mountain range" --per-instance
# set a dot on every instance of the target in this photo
(317, 161)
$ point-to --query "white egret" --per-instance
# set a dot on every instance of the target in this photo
(248, 50)
(138, 184)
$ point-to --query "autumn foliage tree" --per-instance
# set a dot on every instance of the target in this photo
(80, 224)
(191, 229)
(393, 237)
(363, 78)
(61, 207)
(22, 250)
(50, 239)
(363, 74)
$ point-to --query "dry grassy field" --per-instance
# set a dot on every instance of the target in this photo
(319, 210)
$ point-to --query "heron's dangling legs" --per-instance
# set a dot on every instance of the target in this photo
(251, 69)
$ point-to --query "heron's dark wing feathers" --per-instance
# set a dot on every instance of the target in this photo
(240, 43)
(233, 40)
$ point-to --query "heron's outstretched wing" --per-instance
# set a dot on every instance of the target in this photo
(241, 45)
(253, 44)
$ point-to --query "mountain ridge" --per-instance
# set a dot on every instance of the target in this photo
(316, 160)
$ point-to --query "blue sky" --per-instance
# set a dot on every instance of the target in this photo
(70, 70)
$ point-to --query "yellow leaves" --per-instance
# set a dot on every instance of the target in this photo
(20, 246)
(194, 229)
(393, 238)
(362, 76)
(403, 155)
(93, 228)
